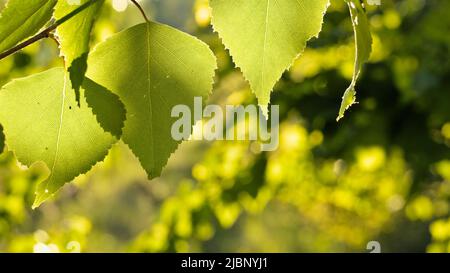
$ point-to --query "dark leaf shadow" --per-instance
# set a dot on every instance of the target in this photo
(106, 106)
(2, 140)
(76, 71)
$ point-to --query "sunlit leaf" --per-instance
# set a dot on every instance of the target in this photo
(152, 67)
(265, 36)
(42, 122)
(21, 19)
(74, 36)
(363, 41)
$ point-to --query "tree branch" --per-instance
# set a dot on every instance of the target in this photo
(46, 33)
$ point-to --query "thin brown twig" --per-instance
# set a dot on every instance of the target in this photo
(42, 35)
(140, 9)
(46, 33)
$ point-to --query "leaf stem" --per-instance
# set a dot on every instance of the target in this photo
(140, 9)
(46, 33)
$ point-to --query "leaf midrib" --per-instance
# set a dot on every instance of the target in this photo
(150, 105)
(265, 43)
(58, 138)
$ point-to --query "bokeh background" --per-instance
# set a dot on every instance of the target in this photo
(382, 173)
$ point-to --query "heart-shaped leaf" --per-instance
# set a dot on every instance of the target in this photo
(42, 122)
(265, 36)
(152, 68)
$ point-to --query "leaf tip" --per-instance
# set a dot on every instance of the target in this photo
(348, 100)
(41, 197)
(265, 110)
(42, 193)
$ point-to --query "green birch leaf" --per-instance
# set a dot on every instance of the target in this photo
(21, 19)
(265, 36)
(363, 47)
(47, 126)
(152, 67)
(74, 36)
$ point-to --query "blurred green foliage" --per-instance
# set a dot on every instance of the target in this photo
(382, 173)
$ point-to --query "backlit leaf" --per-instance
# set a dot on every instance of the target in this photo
(363, 45)
(74, 36)
(23, 18)
(265, 36)
(152, 67)
(42, 122)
